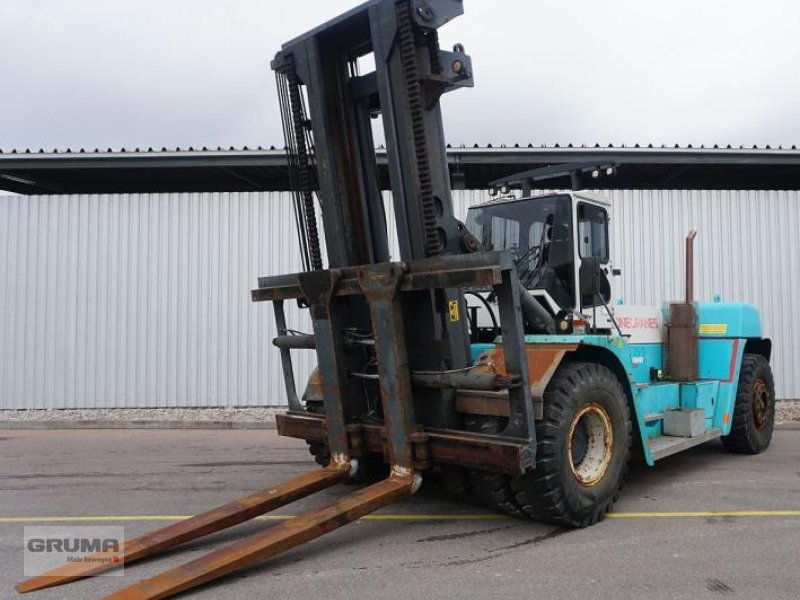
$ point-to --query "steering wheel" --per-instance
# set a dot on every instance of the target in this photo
(492, 316)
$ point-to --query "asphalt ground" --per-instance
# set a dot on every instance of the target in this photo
(703, 524)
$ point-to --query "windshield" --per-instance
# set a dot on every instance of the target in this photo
(538, 232)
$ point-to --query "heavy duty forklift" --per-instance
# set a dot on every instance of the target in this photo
(489, 354)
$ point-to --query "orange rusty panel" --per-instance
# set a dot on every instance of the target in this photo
(543, 360)
(314, 386)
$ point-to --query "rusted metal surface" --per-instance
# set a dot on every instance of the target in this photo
(313, 389)
(320, 288)
(681, 347)
(690, 265)
(488, 452)
(681, 362)
(493, 404)
(761, 404)
(542, 360)
(379, 284)
(304, 426)
(521, 409)
(594, 442)
(266, 544)
(486, 277)
(472, 379)
(198, 526)
(442, 272)
(421, 449)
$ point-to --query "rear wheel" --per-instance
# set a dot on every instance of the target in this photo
(583, 448)
(754, 410)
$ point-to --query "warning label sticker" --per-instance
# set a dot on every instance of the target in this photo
(714, 328)
(453, 309)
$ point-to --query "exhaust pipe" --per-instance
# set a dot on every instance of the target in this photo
(681, 348)
(690, 265)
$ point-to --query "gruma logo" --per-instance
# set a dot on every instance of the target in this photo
(48, 548)
(73, 545)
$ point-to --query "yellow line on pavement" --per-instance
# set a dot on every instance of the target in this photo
(379, 517)
(414, 516)
(704, 513)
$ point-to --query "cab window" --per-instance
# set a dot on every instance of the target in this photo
(505, 233)
(593, 232)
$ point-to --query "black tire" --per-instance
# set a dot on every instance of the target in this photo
(579, 473)
(371, 467)
(317, 449)
(754, 409)
(492, 489)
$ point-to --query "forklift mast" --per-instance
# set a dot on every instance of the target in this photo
(411, 72)
(332, 154)
(327, 106)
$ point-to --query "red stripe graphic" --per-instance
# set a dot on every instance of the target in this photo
(734, 356)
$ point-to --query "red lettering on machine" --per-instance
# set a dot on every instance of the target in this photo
(638, 322)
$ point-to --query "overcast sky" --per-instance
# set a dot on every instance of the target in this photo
(127, 73)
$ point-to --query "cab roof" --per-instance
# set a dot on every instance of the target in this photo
(581, 194)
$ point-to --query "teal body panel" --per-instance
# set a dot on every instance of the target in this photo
(477, 349)
(643, 358)
(619, 348)
(721, 345)
(723, 330)
(701, 395)
(657, 398)
(720, 360)
(741, 320)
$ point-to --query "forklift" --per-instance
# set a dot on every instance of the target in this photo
(488, 353)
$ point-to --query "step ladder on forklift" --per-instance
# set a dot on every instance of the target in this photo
(667, 445)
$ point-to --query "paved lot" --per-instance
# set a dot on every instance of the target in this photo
(429, 546)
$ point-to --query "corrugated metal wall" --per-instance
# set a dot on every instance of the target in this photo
(143, 300)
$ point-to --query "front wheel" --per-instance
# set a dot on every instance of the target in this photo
(754, 410)
(583, 448)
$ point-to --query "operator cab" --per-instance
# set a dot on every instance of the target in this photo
(550, 237)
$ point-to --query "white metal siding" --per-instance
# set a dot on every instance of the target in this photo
(143, 300)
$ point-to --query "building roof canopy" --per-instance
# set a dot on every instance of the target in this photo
(471, 167)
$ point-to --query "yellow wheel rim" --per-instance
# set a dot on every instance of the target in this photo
(589, 444)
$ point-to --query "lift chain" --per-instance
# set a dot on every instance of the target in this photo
(408, 56)
(306, 189)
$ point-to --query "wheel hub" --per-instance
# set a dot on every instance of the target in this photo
(760, 404)
(589, 444)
